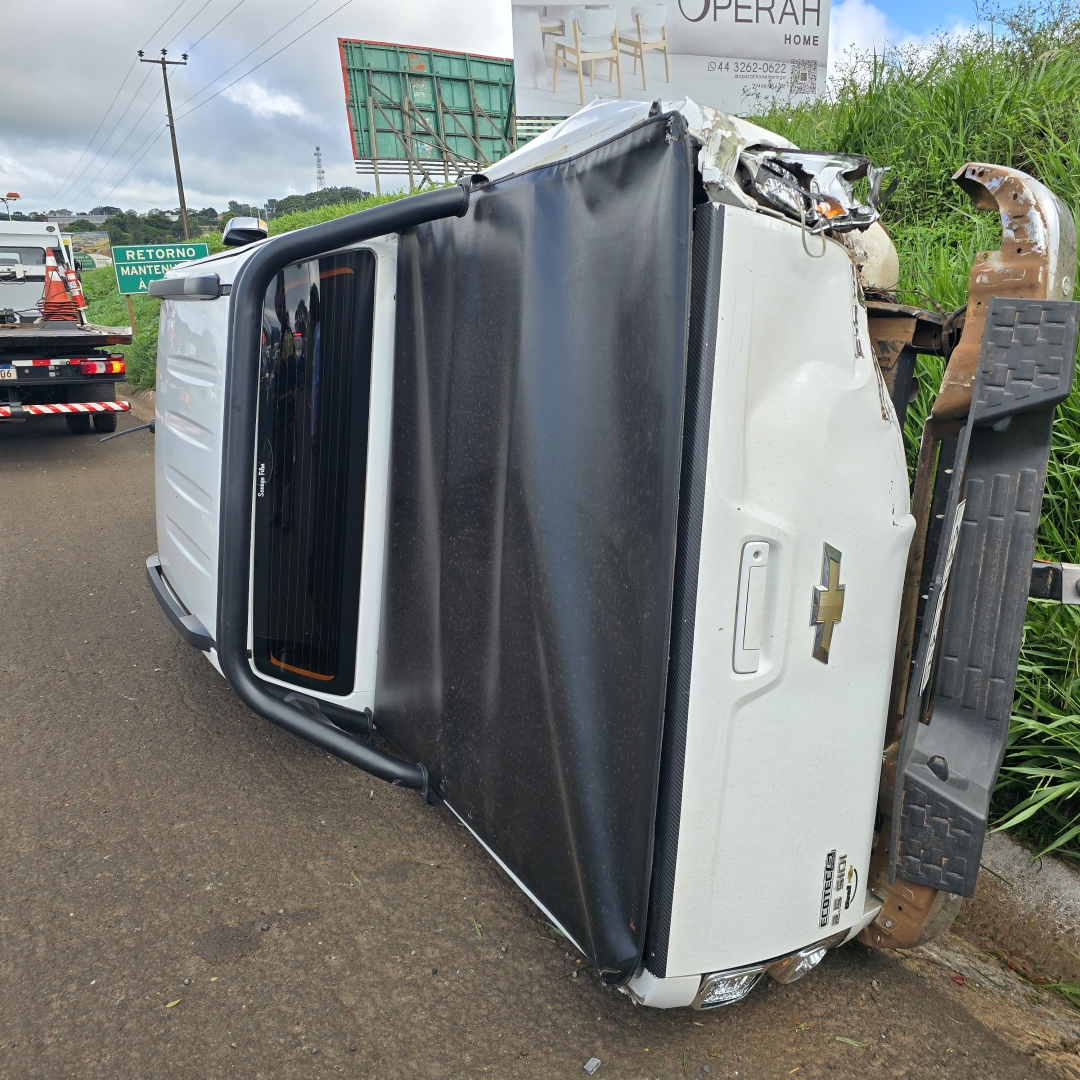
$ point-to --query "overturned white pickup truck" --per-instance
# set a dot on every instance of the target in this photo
(583, 483)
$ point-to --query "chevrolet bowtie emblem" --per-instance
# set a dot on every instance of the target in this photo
(828, 603)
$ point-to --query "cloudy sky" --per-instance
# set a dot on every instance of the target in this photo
(82, 122)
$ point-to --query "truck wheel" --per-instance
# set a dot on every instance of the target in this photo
(105, 421)
(78, 423)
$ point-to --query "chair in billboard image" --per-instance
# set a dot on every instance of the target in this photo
(649, 35)
(550, 26)
(594, 37)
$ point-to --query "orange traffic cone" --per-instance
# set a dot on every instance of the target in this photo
(56, 304)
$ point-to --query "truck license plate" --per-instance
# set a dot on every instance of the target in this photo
(7, 373)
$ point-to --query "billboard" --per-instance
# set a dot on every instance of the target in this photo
(89, 249)
(431, 114)
(734, 55)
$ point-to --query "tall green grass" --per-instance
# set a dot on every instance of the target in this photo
(1007, 94)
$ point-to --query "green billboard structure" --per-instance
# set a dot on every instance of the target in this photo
(430, 114)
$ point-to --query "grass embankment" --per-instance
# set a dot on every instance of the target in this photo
(107, 307)
(1009, 101)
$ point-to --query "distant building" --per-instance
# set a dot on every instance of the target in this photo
(67, 219)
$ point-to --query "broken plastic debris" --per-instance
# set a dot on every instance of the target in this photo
(591, 1065)
(811, 186)
(744, 165)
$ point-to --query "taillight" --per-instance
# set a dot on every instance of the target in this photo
(112, 366)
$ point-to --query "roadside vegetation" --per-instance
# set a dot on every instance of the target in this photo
(1009, 95)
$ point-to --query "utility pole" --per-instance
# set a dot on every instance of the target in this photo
(165, 65)
(320, 176)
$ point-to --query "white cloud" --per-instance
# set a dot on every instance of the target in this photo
(252, 142)
(265, 103)
(859, 25)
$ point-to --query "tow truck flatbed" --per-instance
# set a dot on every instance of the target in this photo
(12, 335)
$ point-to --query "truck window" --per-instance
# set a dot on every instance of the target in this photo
(28, 256)
(309, 504)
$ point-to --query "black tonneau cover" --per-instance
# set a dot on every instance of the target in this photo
(540, 374)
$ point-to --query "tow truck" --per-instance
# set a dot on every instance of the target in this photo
(52, 360)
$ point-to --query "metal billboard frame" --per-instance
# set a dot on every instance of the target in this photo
(436, 115)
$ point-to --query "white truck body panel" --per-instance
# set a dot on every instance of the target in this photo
(766, 791)
(189, 407)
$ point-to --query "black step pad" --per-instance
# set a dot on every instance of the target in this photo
(1025, 368)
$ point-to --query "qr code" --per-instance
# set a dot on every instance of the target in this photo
(804, 76)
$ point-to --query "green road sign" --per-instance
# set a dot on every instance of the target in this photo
(136, 265)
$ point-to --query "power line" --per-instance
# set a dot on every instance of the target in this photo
(90, 183)
(191, 47)
(246, 55)
(261, 62)
(164, 24)
(101, 122)
(141, 156)
(98, 152)
(105, 141)
(154, 135)
(216, 93)
(188, 23)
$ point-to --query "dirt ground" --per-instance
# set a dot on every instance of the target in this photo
(188, 891)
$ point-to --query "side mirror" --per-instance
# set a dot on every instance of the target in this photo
(244, 230)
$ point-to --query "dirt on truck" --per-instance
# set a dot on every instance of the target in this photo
(52, 361)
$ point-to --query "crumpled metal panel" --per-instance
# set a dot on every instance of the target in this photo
(538, 409)
(1036, 261)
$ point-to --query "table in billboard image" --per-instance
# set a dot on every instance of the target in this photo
(733, 55)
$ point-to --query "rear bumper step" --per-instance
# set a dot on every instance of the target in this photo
(187, 626)
(8, 411)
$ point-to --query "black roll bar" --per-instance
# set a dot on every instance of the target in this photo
(238, 465)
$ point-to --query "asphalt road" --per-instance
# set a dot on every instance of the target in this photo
(188, 891)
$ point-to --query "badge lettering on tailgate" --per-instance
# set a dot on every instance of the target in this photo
(838, 889)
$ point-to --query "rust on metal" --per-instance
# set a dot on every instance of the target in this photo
(911, 915)
(1028, 265)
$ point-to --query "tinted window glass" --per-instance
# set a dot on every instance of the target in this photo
(310, 470)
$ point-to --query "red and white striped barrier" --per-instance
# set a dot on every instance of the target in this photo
(72, 407)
